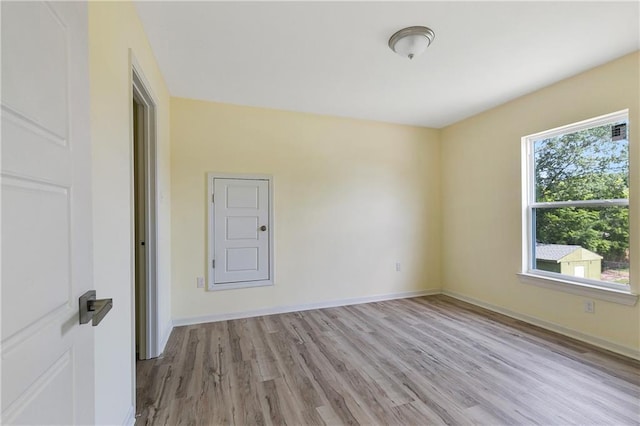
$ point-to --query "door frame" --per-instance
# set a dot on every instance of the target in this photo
(210, 243)
(141, 93)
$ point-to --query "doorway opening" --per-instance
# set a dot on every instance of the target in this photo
(144, 219)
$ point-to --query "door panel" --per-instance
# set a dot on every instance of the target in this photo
(241, 249)
(39, 54)
(242, 228)
(241, 195)
(242, 259)
(37, 215)
(47, 358)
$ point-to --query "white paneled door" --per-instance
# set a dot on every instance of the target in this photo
(47, 357)
(241, 230)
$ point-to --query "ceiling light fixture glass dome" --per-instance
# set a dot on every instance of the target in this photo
(412, 41)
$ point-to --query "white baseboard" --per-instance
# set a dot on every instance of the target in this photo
(296, 308)
(130, 420)
(165, 337)
(596, 341)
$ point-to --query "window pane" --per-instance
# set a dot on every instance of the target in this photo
(587, 242)
(589, 164)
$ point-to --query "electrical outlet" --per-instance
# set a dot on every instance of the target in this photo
(200, 282)
(589, 306)
(398, 267)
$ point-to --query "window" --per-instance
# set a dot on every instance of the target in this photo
(576, 199)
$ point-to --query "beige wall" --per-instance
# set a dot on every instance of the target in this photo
(481, 201)
(114, 28)
(351, 198)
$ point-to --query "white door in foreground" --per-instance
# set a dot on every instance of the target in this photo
(241, 230)
(47, 357)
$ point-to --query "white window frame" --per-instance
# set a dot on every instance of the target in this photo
(211, 284)
(619, 293)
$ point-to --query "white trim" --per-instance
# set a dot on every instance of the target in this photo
(162, 342)
(623, 114)
(555, 277)
(141, 88)
(585, 203)
(612, 292)
(595, 341)
(525, 172)
(130, 419)
(210, 276)
(304, 307)
(574, 287)
(238, 285)
(586, 338)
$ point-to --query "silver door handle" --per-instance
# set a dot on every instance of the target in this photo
(92, 309)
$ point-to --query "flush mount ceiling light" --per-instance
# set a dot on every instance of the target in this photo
(411, 41)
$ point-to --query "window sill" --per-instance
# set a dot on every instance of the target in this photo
(610, 295)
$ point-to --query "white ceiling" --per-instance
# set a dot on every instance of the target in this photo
(332, 57)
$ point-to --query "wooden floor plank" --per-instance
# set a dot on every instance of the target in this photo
(428, 360)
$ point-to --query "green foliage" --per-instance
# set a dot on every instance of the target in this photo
(602, 230)
(585, 165)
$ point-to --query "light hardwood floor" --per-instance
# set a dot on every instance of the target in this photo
(429, 360)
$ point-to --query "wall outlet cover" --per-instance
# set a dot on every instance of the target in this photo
(589, 306)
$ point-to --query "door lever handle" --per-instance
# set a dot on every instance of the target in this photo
(92, 309)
